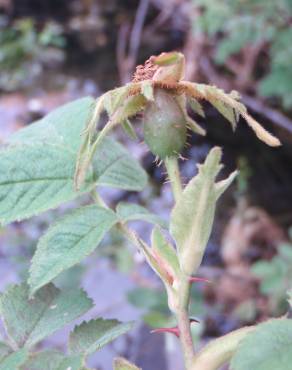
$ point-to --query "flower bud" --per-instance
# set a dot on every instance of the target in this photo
(164, 125)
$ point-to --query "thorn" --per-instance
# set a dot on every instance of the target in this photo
(193, 279)
(174, 330)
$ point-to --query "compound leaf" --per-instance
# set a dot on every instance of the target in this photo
(37, 167)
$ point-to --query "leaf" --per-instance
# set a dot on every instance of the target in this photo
(289, 293)
(46, 360)
(28, 321)
(62, 126)
(165, 251)
(53, 360)
(123, 364)
(68, 241)
(268, 347)
(92, 335)
(132, 212)
(37, 168)
(192, 217)
(4, 350)
(14, 360)
(113, 166)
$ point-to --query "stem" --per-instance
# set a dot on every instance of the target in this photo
(182, 311)
(219, 351)
(171, 164)
(183, 322)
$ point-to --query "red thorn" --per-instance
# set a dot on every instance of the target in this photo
(193, 279)
(174, 330)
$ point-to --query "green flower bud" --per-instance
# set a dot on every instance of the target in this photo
(165, 125)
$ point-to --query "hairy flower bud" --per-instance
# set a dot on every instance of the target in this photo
(164, 125)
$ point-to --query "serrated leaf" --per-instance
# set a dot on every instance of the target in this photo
(132, 212)
(68, 241)
(165, 251)
(14, 360)
(28, 321)
(71, 363)
(268, 347)
(37, 168)
(46, 360)
(54, 360)
(123, 364)
(62, 126)
(193, 215)
(92, 335)
(113, 166)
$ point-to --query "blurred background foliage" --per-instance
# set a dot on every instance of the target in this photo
(53, 51)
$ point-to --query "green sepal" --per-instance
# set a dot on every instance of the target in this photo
(165, 251)
(193, 215)
(129, 129)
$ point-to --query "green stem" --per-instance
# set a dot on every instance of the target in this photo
(219, 351)
(171, 164)
(183, 322)
(182, 311)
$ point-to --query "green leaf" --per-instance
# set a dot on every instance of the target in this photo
(123, 364)
(28, 321)
(71, 363)
(133, 212)
(92, 335)
(289, 293)
(63, 126)
(268, 347)
(113, 166)
(46, 360)
(4, 350)
(14, 360)
(37, 168)
(193, 215)
(68, 241)
(53, 360)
